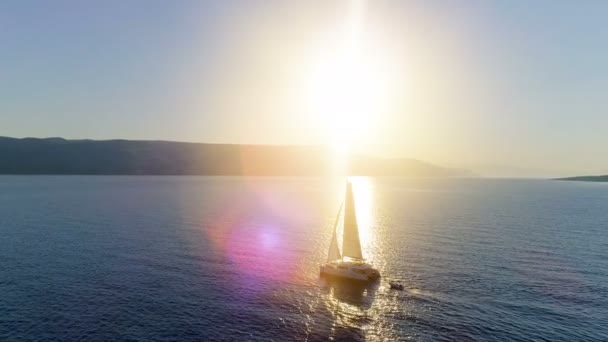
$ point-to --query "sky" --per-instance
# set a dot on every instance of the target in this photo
(501, 87)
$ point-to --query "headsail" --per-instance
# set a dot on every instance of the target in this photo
(351, 246)
(334, 251)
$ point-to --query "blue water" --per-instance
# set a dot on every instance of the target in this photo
(236, 259)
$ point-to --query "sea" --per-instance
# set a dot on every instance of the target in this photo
(147, 258)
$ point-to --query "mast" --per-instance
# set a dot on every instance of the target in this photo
(334, 250)
(351, 246)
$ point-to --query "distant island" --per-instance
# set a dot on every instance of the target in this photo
(603, 178)
(58, 156)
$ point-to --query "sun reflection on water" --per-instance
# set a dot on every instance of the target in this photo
(359, 311)
(364, 205)
(262, 232)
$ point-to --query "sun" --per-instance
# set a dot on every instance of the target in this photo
(345, 97)
(347, 88)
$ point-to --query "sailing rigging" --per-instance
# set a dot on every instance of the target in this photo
(355, 267)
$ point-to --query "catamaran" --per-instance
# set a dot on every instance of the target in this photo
(350, 263)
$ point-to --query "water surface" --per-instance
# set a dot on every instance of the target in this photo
(228, 258)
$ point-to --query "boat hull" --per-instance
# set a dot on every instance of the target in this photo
(358, 271)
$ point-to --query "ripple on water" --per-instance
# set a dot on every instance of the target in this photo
(204, 258)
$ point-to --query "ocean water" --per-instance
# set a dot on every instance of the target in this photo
(236, 259)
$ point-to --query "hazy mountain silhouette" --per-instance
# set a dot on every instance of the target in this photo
(603, 178)
(137, 157)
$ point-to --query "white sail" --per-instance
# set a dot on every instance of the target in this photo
(334, 250)
(351, 246)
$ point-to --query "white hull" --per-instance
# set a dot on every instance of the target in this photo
(354, 270)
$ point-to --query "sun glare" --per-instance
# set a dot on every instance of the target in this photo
(346, 88)
(364, 202)
(344, 97)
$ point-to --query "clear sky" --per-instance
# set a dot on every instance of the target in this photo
(477, 84)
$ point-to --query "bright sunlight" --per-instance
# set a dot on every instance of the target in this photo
(347, 87)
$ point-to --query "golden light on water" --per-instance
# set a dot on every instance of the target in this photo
(364, 201)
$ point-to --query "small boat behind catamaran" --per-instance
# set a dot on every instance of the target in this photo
(395, 285)
(349, 264)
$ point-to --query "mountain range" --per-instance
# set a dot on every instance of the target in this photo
(602, 178)
(150, 157)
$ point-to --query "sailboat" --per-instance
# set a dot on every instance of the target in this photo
(349, 263)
